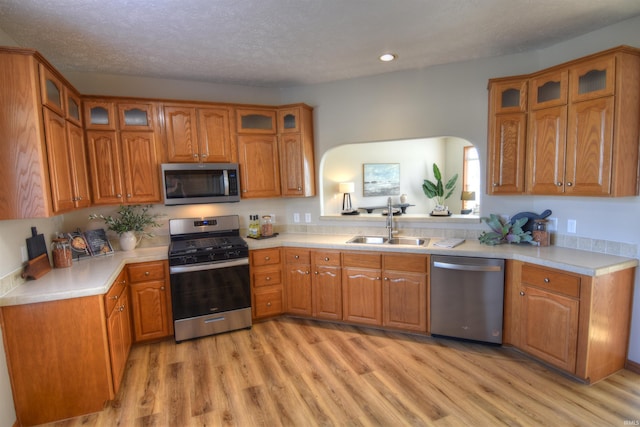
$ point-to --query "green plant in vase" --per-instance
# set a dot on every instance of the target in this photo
(438, 190)
(131, 224)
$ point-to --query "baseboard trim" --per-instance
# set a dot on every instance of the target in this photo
(632, 366)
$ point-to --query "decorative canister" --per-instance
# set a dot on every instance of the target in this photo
(61, 250)
(267, 226)
(540, 233)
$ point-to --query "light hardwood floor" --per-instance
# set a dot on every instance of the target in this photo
(296, 372)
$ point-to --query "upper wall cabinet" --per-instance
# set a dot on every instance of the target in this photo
(199, 134)
(42, 155)
(295, 143)
(124, 157)
(507, 135)
(582, 129)
(275, 151)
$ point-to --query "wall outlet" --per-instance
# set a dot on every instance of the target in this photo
(296, 217)
(552, 225)
(571, 226)
(273, 218)
(307, 217)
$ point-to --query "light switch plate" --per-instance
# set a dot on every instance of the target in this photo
(571, 226)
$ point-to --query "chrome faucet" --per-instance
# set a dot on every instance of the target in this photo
(389, 226)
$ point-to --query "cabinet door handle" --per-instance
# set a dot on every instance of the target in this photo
(115, 297)
(316, 273)
(521, 293)
(559, 183)
(306, 272)
(195, 155)
(495, 184)
(119, 195)
(162, 288)
(128, 195)
(569, 184)
(297, 257)
(547, 280)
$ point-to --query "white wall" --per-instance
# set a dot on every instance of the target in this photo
(446, 100)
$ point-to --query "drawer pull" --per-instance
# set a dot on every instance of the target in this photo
(146, 273)
(547, 280)
(326, 258)
(267, 258)
(267, 278)
(269, 304)
(297, 257)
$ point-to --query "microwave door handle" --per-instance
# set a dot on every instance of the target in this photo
(225, 175)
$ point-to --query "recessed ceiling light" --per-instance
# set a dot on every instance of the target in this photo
(387, 57)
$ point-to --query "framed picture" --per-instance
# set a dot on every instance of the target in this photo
(381, 179)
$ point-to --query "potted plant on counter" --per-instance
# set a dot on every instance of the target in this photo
(503, 231)
(130, 223)
(439, 191)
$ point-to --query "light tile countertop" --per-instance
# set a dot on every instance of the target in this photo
(94, 276)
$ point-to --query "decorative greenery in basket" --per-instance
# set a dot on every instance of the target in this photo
(505, 232)
(134, 218)
(436, 190)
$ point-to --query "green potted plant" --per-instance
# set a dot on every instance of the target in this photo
(439, 191)
(502, 231)
(131, 224)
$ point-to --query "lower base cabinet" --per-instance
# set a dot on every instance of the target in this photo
(150, 300)
(66, 358)
(404, 292)
(577, 323)
(362, 288)
(267, 289)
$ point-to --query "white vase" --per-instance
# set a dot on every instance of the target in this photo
(128, 241)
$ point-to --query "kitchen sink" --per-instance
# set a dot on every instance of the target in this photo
(379, 240)
(412, 241)
(371, 240)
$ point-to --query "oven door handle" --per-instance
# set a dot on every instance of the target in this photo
(211, 266)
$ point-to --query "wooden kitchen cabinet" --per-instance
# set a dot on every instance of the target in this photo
(267, 284)
(577, 323)
(582, 131)
(150, 300)
(66, 358)
(276, 151)
(295, 137)
(298, 281)
(326, 284)
(123, 157)
(404, 291)
(199, 134)
(259, 166)
(507, 135)
(118, 327)
(313, 283)
(362, 288)
(42, 162)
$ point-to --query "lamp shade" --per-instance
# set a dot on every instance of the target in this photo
(346, 187)
(468, 195)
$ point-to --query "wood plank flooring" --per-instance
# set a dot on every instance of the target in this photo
(296, 372)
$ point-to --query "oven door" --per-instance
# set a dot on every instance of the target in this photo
(199, 290)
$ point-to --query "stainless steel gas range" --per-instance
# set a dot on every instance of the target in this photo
(209, 270)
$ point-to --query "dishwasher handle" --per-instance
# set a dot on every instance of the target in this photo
(466, 267)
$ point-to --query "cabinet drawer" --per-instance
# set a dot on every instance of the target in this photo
(552, 280)
(115, 292)
(406, 262)
(297, 256)
(143, 272)
(265, 257)
(268, 303)
(267, 276)
(326, 258)
(360, 259)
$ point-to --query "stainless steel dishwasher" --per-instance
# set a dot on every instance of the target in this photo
(466, 298)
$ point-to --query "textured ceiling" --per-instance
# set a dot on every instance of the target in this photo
(280, 43)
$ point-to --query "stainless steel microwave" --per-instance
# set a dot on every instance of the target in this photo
(191, 183)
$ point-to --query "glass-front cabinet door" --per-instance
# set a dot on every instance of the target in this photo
(256, 121)
(592, 79)
(138, 116)
(99, 115)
